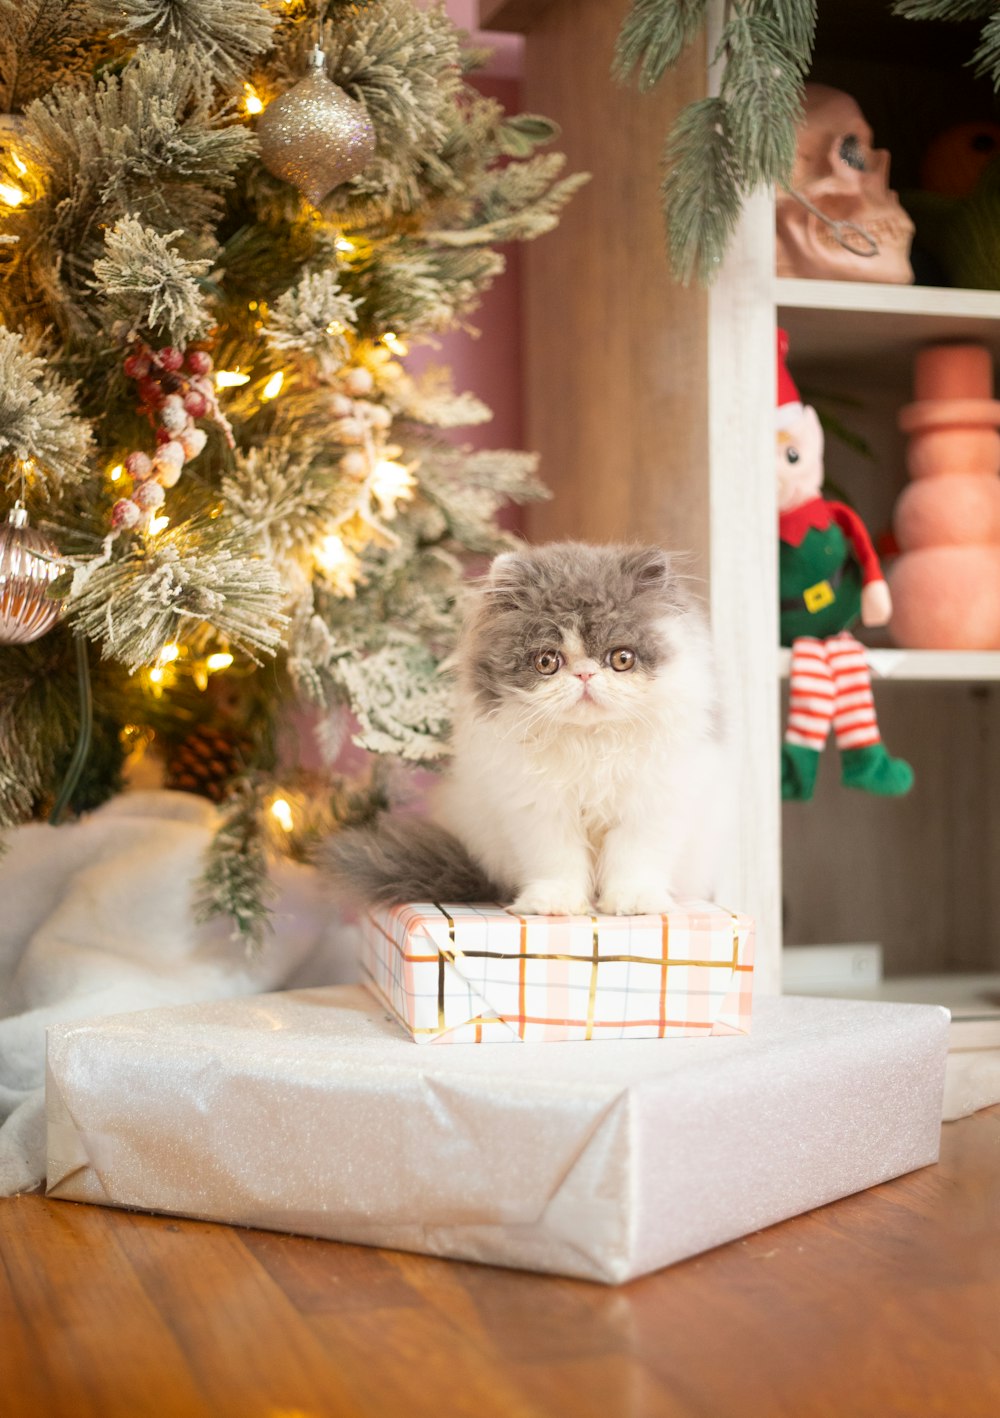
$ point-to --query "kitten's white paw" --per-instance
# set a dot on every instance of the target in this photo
(552, 898)
(628, 898)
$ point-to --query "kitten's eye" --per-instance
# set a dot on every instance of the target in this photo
(547, 661)
(622, 660)
(792, 454)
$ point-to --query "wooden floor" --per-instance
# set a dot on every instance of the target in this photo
(881, 1305)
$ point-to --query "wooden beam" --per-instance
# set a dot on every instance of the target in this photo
(512, 16)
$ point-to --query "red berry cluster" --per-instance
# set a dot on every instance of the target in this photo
(175, 388)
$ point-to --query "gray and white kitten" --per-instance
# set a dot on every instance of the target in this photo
(585, 753)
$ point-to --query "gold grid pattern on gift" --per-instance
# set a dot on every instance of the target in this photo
(479, 973)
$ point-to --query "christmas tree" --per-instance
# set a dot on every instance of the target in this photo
(221, 224)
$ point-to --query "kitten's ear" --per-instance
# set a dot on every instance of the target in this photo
(649, 567)
(505, 578)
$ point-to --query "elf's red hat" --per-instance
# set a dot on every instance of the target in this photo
(789, 400)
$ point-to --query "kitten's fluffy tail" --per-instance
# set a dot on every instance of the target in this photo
(404, 859)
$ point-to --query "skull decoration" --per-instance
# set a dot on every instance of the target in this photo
(839, 220)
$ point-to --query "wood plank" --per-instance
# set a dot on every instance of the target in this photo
(615, 352)
(233, 1324)
(881, 1304)
(98, 1343)
(511, 16)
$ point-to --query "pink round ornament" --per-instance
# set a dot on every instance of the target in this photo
(148, 496)
(136, 365)
(125, 514)
(199, 362)
(193, 441)
(138, 466)
(172, 452)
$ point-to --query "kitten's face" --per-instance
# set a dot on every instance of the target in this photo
(575, 634)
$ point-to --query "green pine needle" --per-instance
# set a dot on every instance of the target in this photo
(653, 36)
(702, 190)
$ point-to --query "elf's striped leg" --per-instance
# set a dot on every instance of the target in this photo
(810, 715)
(864, 761)
(854, 719)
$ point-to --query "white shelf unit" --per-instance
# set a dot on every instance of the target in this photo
(915, 874)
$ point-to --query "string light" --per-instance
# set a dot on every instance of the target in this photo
(332, 554)
(230, 378)
(342, 244)
(167, 654)
(22, 167)
(394, 343)
(117, 472)
(391, 481)
(156, 675)
(13, 196)
(157, 524)
(272, 388)
(282, 813)
(252, 102)
(221, 660)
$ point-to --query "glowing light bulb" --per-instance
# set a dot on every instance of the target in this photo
(22, 167)
(282, 813)
(167, 654)
(342, 244)
(221, 660)
(156, 675)
(117, 472)
(230, 378)
(391, 481)
(331, 553)
(252, 101)
(157, 524)
(13, 196)
(394, 343)
(272, 388)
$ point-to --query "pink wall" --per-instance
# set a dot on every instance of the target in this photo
(489, 365)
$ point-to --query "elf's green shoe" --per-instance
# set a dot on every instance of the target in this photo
(873, 771)
(799, 766)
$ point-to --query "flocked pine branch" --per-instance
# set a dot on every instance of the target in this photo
(184, 580)
(39, 39)
(235, 884)
(227, 35)
(313, 318)
(148, 286)
(38, 421)
(151, 143)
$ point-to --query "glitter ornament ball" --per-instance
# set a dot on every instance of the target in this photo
(315, 136)
(29, 563)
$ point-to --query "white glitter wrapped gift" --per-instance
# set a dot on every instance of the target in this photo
(312, 1112)
(481, 974)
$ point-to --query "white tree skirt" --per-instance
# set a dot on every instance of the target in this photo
(96, 919)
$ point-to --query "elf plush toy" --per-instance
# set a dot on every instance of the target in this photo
(829, 575)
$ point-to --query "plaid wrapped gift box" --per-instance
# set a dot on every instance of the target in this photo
(480, 974)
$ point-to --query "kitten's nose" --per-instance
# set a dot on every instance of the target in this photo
(584, 675)
(584, 670)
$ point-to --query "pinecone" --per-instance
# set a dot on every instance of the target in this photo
(207, 761)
